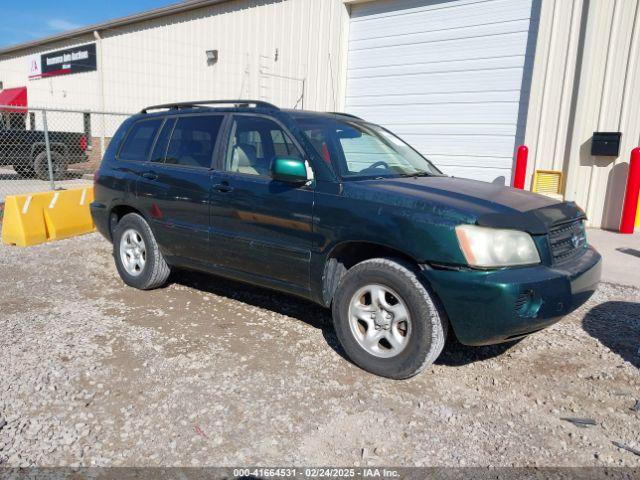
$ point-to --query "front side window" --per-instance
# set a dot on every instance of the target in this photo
(193, 140)
(253, 144)
(137, 145)
(363, 150)
(281, 144)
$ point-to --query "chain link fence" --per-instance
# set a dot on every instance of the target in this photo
(47, 149)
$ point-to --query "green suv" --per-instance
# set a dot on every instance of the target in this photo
(340, 211)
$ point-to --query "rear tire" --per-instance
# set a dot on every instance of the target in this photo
(384, 299)
(138, 258)
(58, 164)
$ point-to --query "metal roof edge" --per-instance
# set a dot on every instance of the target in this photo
(118, 22)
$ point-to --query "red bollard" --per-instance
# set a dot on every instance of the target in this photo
(632, 193)
(521, 167)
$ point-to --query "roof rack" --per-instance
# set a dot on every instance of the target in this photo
(345, 114)
(237, 103)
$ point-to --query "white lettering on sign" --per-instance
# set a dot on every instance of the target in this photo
(68, 57)
(55, 60)
(82, 55)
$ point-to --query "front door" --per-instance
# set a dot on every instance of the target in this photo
(260, 226)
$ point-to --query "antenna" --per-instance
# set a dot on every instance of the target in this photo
(333, 87)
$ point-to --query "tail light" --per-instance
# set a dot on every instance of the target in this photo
(83, 143)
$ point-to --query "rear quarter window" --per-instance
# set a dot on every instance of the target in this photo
(139, 140)
(160, 148)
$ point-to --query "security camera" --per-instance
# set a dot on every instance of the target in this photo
(212, 57)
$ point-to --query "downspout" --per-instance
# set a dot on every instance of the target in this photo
(98, 38)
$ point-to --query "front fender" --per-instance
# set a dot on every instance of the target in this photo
(424, 232)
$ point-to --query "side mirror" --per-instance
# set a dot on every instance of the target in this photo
(289, 170)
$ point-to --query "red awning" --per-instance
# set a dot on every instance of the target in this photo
(15, 97)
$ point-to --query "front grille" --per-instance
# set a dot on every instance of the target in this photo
(568, 241)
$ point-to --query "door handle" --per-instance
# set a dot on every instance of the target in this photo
(150, 175)
(223, 187)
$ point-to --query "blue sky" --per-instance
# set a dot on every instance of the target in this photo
(28, 20)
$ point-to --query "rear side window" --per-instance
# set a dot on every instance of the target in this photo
(193, 141)
(139, 141)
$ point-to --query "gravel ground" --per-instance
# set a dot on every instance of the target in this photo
(211, 372)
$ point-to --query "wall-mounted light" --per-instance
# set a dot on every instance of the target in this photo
(212, 57)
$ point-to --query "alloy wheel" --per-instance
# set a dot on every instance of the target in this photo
(379, 320)
(133, 253)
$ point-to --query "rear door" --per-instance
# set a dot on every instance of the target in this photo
(132, 157)
(174, 188)
(260, 226)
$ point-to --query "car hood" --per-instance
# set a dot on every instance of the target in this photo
(485, 203)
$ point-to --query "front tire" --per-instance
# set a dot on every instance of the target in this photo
(58, 166)
(387, 320)
(138, 258)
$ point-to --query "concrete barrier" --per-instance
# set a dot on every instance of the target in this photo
(36, 218)
(68, 213)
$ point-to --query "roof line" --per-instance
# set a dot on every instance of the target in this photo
(174, 8)
(181, 105)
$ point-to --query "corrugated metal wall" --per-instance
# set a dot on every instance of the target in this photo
(585, 79)
(266, 48)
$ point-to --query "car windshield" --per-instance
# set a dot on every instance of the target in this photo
(362, 150)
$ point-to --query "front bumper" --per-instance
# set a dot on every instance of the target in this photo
(487, 307)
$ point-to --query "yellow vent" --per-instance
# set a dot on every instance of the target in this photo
(548, 182)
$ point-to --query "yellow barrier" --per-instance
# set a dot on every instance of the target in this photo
(39, 217)
(68, 214)
(23, 220)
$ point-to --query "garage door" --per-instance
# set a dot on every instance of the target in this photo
(450, 77)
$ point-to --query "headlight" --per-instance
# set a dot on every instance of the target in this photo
(491, 247)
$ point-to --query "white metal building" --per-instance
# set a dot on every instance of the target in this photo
(464, 81)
